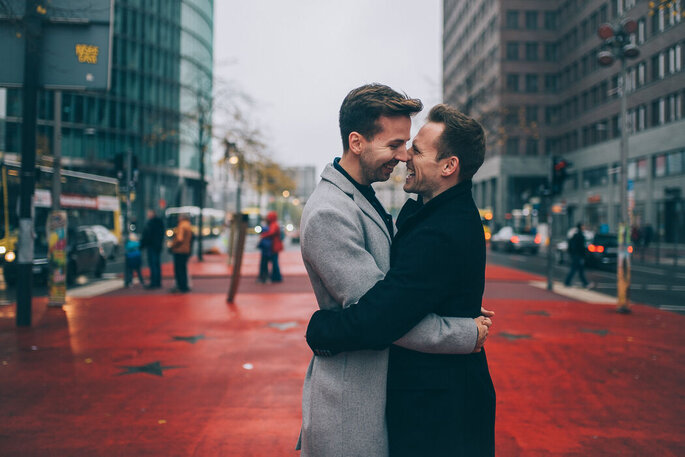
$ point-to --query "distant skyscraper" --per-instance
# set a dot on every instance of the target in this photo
(161, 73)
(528, 70)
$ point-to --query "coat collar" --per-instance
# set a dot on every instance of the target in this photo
(416, 209)
(337, 179)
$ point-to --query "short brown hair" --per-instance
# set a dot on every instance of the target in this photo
(463, 137)
(363, 106)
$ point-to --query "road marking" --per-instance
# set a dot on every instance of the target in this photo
(680, 275)
(99, 288)
(584, 295)
(678, 288)
(656, 287)
(605, 285)
(672, 308)
(647, 270)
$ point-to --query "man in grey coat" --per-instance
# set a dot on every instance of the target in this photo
(345, 240)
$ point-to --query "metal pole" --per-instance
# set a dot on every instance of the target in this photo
(57, 152)
(550, 222)
(127, 215)
(32, 37)
(623, 264)
(202, 183)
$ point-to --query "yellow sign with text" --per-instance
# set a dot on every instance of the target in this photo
(87, 53)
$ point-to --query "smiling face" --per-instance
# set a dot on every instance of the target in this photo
(385, 150)
(426, 174)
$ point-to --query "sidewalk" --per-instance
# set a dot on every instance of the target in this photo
(148, 373)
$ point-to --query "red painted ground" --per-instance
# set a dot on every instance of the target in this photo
(572, 379)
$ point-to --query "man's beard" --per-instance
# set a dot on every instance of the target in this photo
(371, 171)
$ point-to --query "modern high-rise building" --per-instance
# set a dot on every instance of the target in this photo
(528, 70)
(159, 100)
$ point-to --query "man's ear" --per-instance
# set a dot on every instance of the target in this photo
(357, 142)
(450, 166)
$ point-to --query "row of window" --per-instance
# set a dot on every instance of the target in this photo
(532, 20)
(663, 165)
(660, 111)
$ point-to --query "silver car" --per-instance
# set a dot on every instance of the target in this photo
(513, 240)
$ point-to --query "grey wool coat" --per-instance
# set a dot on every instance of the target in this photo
(346, 250)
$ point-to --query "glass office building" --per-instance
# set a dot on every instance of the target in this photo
(160, 96)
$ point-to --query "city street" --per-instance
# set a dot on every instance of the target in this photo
(658, 285)
(136, 373)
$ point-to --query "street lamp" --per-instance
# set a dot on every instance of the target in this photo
(617, 45)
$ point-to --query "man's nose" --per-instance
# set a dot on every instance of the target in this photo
(401, 154)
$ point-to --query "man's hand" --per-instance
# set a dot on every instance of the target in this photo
(483, 323)
(486, 313)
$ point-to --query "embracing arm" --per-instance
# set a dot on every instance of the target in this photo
(413, 288)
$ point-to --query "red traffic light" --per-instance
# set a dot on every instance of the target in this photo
(629, 26)
(605, 31)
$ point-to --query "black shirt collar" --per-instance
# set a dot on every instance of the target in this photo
(367, 190)
(368, 193)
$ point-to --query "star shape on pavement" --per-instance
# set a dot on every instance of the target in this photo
(154, 368)
(537, 313)
(601, 331)
(189, 339)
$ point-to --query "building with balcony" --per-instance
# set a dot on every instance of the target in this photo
(528, 70)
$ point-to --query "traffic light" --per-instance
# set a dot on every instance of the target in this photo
(559, 174)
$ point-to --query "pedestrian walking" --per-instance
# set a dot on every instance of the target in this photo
(181, 248)
(274, 238)
(152, 242)
(264, 247)
(576, 249)
(134, 260)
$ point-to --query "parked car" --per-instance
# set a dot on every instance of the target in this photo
(512, 240)
(561, 248)
(84, 255)
(107, 239)
(603, 250)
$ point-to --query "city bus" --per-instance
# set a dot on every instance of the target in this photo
(213, 220)
(88, 199)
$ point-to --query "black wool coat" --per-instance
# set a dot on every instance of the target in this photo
(438, 405)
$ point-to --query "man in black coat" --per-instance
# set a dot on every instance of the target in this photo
(438, 405)
(576, 250)
(152, 242)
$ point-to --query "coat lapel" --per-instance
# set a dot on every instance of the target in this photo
(333, 176)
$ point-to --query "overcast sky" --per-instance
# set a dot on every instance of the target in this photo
(298, 59)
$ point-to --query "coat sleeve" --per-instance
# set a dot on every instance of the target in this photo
(418, 282)
(441, 335)
(333, 245)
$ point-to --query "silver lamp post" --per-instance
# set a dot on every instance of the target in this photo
(617, 45)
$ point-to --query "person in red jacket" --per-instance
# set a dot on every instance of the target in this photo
(273, 233)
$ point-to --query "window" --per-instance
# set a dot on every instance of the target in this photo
(550, 20)
(531, 114)
(660, 165)
(532, 147)
(531, 20)
(551, 83)
(512, 82)
(594, 177)
(551, 52)
(512, 19)
(512, 50)
(531, 83)
(641, 31)
(532, 51)
(641, 74)
(674, 163)
(513, 146)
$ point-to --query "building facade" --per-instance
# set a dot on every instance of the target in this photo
(160, 97)
(528, 70)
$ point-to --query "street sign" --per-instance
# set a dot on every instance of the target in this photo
(76, 46)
